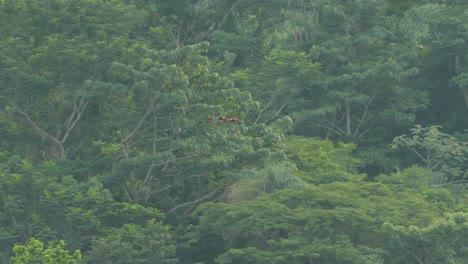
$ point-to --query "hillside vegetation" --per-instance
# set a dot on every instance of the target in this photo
(232, 131)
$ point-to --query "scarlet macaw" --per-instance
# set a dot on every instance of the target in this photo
(223, 119)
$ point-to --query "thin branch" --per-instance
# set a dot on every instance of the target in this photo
(417, 153)
(416, 257)
(228, 13)
(176, 40)
(165, 166)
(126, 192)
(149, 110)
(218, 22)
(428, 159)
(70, 123)
(16, 224)
(363, 133)
(328, 127)
(175, 184)
(262, 110)
(195, 201)
(342, 132)
(149, 176)
(78, 110)
(155, 130)
(38, 129)
(448, 183)
(437, 164)
(277, 112)
(164, 189)
(133, 180)
(363, 116)
(125, 141)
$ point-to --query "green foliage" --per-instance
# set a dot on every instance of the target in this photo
(322, 161)
(426, 182)
(34, 253)
(441, 242)
(251, 183)
(109, 117)
(438, 151)
(147, 243)
(284, 82)
(339, 222)
(339, 250)
(364, 61)
(171, 98)
(34, 203)
(415, 177)
(46, 65)
(442, 43)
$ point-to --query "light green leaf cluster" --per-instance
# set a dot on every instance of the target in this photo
(34, 253)
(437, 150)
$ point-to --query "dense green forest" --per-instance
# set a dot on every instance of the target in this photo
(233, 131)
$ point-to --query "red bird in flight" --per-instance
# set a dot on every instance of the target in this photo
(223, 119)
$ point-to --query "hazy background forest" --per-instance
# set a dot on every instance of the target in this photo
(350, 144)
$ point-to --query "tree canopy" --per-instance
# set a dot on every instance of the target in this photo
(215, 131)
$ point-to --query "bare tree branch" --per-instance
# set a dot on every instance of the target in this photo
(336, 127)
(448, 183)
(229, 12)
(125, 141)
(125, 191)
(42, 132)
(363, 117)
(59, 140)
(195, 201)
(262, 110)
(78, 109)
(277, 112)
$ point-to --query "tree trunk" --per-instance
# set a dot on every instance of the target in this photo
(465, 95)
(464, 90)
(348, 118)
